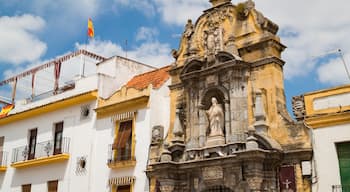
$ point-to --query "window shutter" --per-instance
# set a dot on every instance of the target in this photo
(52, 186)
(26, 188)
(124, 135)
(343, 150)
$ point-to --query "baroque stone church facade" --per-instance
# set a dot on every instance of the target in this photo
(229, 128)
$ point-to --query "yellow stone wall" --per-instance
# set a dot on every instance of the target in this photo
(254, 43)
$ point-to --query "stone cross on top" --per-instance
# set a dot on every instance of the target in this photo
(218, 2)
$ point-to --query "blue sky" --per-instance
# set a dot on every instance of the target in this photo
(35, 31)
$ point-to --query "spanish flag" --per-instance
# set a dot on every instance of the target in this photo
(5, 110)
(90, 31)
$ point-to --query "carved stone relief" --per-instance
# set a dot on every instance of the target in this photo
(212, 173)
(157, 134)
(298, 107)
(213, 39)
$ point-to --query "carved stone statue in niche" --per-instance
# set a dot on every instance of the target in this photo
(216, 118)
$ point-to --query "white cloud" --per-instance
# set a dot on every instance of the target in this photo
(150, 52)
(334, 72)
(146, 33)
(310, 28)
(19, 42)
(103, 48)
(179, 11)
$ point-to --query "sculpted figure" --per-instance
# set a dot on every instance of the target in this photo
(216, 118)
(189, 29)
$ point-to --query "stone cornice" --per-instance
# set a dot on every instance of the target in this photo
(268, 60)
(327, 120)
(267, 41)
(176, 86)
(216, 68)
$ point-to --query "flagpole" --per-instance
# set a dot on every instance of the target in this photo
(86, 41)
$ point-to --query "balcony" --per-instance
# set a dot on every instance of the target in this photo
(341, 188)
(42, 153)
(120, 158)
(3, 161)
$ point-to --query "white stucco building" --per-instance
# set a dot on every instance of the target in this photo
(327, 114)
(125, 124)
(57, 142)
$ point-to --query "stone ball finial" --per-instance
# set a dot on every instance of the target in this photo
(218, 2)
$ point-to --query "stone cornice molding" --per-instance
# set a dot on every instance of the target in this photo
(268, 60)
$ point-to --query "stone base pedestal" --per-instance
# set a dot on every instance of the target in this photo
(215, 140)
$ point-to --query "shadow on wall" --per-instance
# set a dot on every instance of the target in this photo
(43, 174)
(2, 176)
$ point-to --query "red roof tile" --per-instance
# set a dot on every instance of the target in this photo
(157, 78)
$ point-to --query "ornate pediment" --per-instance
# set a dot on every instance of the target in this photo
(223, 28)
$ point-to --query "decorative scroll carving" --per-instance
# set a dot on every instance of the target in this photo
(298, 107)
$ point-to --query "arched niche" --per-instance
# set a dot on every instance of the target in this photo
(219, 92)
(192, 66)
(221, 95)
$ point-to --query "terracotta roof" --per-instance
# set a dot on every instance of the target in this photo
(157, 78)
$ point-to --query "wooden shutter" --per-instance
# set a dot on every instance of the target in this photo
(58, 138)
(26, 188)
(343, 150)
(32, 143)
(124, 135)
(52, 186)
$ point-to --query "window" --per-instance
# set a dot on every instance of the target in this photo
(123, 144)
(32, 143)
(343, 151)
(52, 186)
(58, 138)
(26, 188)
(125, 188)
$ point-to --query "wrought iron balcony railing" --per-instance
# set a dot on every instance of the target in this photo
(3, 158)
(41, 150)
(119, 154)
(341, 188)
